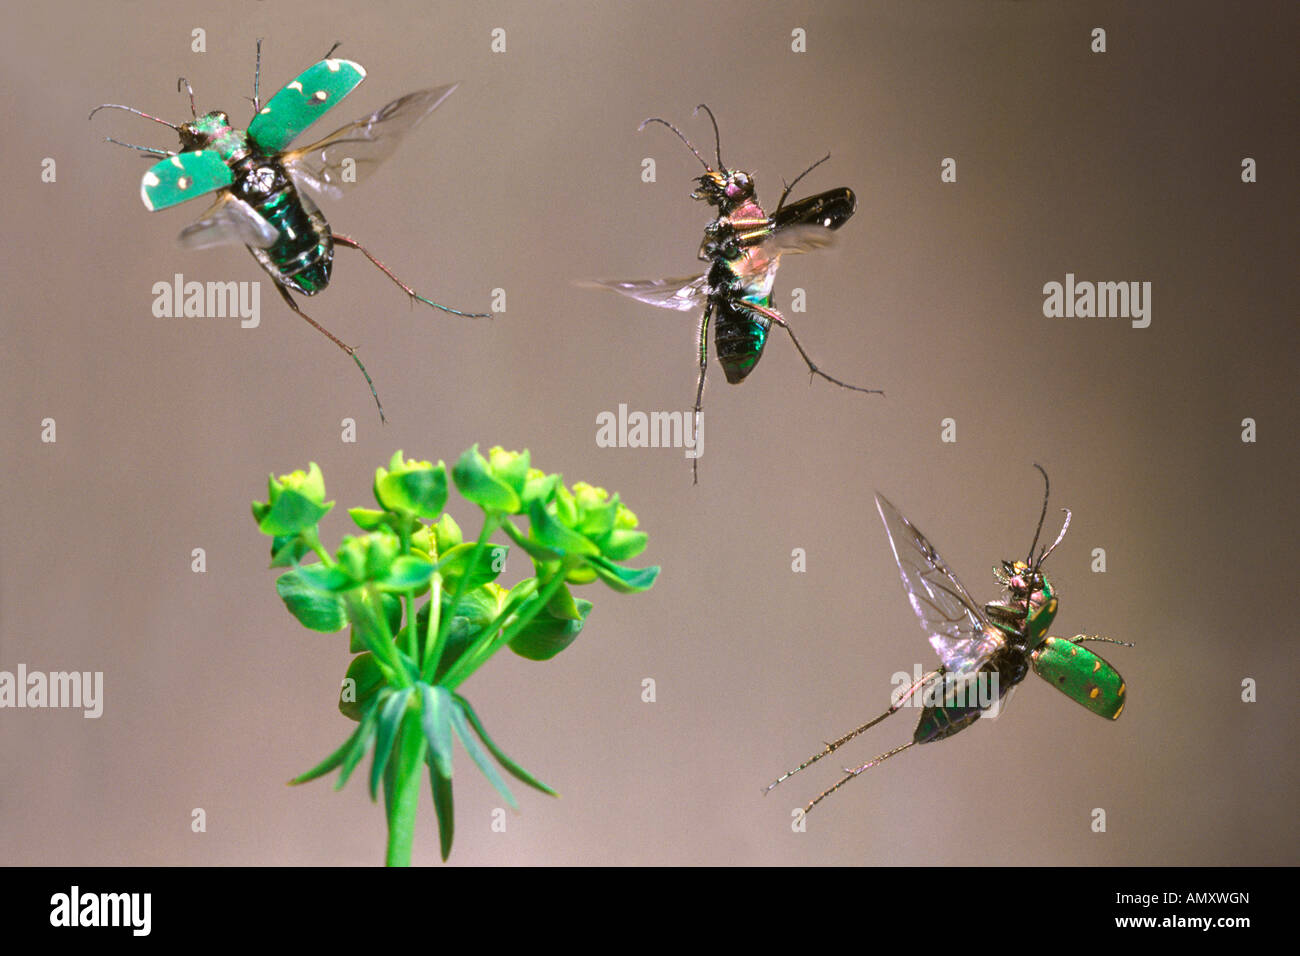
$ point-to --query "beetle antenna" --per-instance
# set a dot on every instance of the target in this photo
(179, 81)
(717, 137)
(143, 149)
(129, 109)
(655, 119)
(1064, 528)
(799, 177)
(337, 44)
(1047, 490)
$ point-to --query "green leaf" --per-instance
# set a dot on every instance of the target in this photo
(623, 545)
(368, 519)
(552, 534)
(580, 574)
(436, 719)
(359, 738)
(418, 488)
(476, 482)
(546, 635)
(315, 609)
(362, 739)
(446, 534)
(324, 578)
(390, 718)
(537, 552)
(368, 680)
(509, 467)
(407, 573)
(287, 550)
(392, 614)
(562, 604)
(491, 563)
(443, 806)
(517, 771)
(540, 488)
(292, 512)
(475, 751)
(624, 580)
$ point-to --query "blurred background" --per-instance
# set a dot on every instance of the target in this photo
(1122, 166)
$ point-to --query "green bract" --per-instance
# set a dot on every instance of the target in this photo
(425, 609)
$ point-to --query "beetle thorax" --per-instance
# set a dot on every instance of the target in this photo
(213, 131)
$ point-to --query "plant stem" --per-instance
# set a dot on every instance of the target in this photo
(406, 792)
(491, 521)
(476, 657)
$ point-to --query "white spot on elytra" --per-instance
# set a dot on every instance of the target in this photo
(176, 161)
(183, 182)
(295, 85)
(333, 65)
(265, 110)
(321, 95)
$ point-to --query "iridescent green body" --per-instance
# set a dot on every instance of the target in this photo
(741, 277)
(218, 155)
(984, 651)
(255, 179)
(1081, 675)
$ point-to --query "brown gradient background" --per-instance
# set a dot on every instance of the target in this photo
(1123, 166)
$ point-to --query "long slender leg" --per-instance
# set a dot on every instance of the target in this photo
(333, 338)
(835, 745)
(779, 319)
(257, 80)
(1083, 638)
(699, 389)
(853, 773)
(353, 244)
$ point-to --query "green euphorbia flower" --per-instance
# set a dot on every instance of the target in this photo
(423, 610)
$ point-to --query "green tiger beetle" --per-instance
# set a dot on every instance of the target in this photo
(261, 202)
(997, 643)
(744, 245)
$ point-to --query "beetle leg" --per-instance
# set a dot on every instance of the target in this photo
(835, 745)
(850, 774)
(353, 244)
(779, 319)
(699, 389)
(337, 341)
(1083, 638)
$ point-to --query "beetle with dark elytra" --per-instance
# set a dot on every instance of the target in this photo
(744, 245)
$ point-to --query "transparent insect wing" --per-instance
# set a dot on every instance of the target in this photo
(798, 239)
(301, 103)
(183, 177)
(958, 629)
(230, 222)
(361, 146)
(682, 294)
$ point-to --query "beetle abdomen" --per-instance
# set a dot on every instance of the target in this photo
(738, 338)
(303, 254)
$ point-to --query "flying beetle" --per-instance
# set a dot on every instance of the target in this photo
(260, 201)
(999, 642)
(744, 246)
